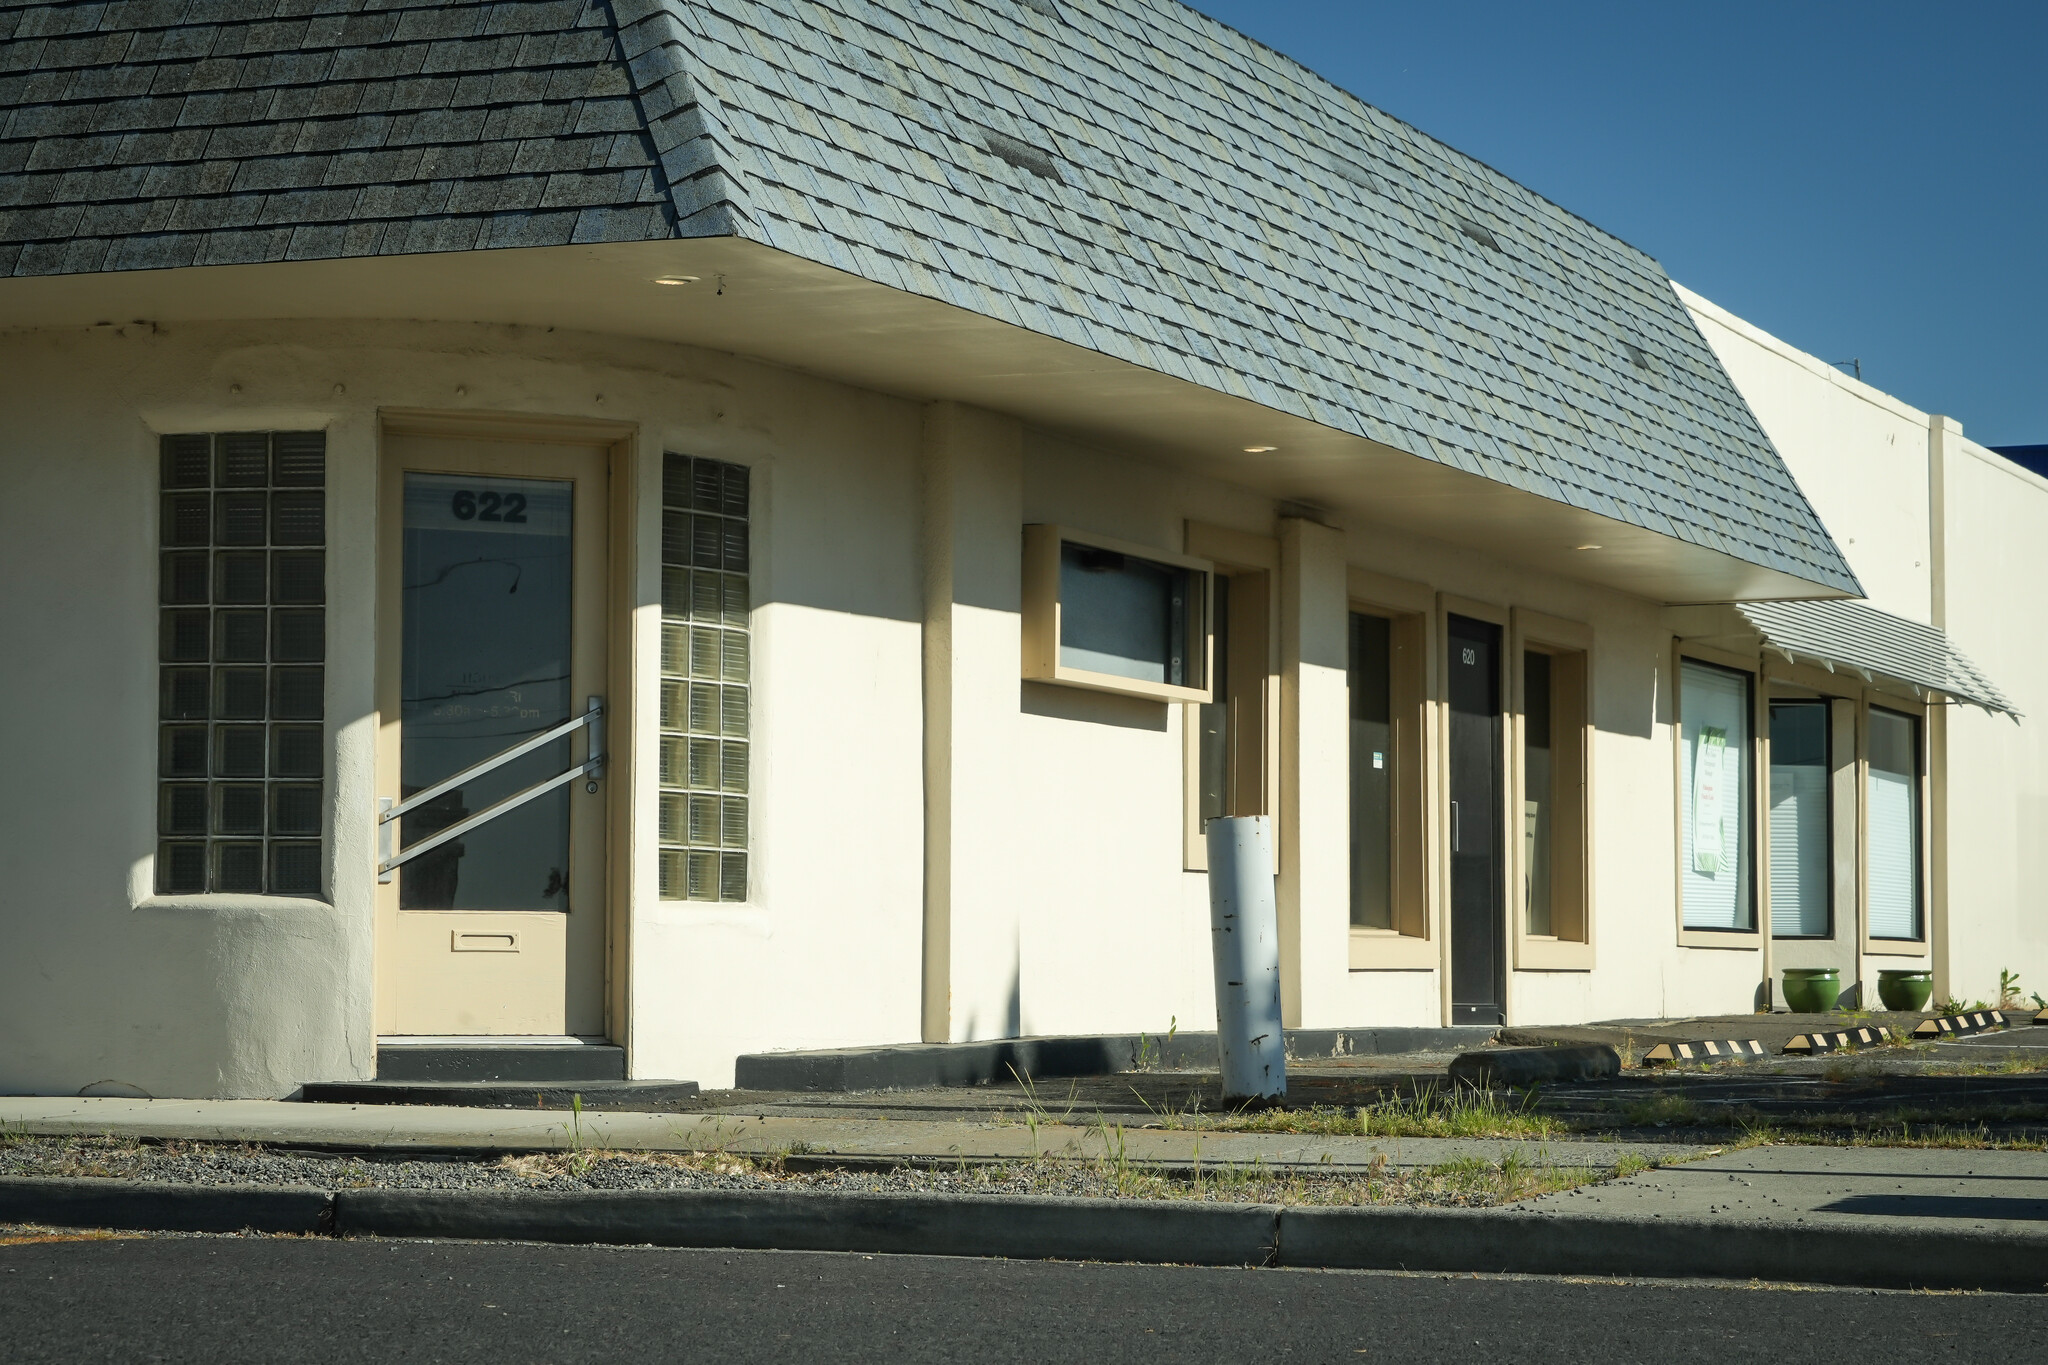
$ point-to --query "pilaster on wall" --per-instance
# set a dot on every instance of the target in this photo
(1315, 807)
(973, 548)
(1944, 437)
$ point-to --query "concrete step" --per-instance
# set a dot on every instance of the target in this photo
(595, 1096)
(514, 1063)
(918, 1066)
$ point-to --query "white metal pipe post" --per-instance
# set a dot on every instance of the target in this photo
(1244, 931)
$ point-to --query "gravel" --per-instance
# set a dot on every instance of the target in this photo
(214, 1163)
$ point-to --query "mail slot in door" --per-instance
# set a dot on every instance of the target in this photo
(467, 941)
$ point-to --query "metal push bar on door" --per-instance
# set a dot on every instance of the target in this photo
(390, 858)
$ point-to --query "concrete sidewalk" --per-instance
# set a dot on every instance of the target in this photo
(402, 1128)
(1882, 1190)
(1844, 1215)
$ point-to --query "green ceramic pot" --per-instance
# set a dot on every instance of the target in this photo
(1812, 990)
(1904, 990)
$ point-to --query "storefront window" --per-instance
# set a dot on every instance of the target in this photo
(1894, 798)
(1799, 819)
(1715, 855)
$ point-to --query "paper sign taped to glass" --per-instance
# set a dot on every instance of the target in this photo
(1710, 773)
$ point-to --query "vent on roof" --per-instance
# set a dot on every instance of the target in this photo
(1478, 234)
(1637, 356)
(1022, 155)
(1044, 7)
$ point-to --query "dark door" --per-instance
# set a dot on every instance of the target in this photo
(1478, 948)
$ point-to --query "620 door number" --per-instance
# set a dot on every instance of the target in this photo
(487, 506)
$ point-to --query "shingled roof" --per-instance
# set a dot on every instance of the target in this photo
(1125, 175)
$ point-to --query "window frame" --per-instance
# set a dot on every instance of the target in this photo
(1041, 615)
(1917, 712)
(1252, 564)
(1572, 748)
(211, 781)
(727, 856)
(1413, 704)
(1757, 934)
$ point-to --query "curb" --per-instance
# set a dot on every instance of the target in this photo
(927, 1225)
(1484, 1241)
(139, 1204)
(1536, 1065)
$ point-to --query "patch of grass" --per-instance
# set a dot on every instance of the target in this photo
(1468, 1182)
(2014, 1063)
(1462, 1112)
(1942, 1135)
(1663, 1111)
(1902, 1126)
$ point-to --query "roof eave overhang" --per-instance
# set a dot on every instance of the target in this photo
(756, 301)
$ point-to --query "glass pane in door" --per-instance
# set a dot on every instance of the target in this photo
(487, 601)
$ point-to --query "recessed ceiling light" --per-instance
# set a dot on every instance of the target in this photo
(1589, 547)
(677, 279)
(1259, 450)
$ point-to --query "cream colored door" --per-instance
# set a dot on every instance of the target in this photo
(491, 635)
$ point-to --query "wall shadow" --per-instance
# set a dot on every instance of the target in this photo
(1093, 708)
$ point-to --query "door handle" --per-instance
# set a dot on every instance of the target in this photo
(1454, 827)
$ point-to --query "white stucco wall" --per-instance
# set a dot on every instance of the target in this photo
(1870, 464)
(219, 995)
(1997, 554)
(887, 596)
(1859, 454)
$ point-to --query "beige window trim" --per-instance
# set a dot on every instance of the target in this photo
(1810, 678)
(1410, 608)
(1754, 938)
(1570, 647)
(1891, 947)
(1252, 563)
(1041, 615)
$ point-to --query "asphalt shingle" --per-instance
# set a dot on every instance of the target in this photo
(1124, 174)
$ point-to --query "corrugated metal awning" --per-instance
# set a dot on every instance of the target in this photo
(1875, 644)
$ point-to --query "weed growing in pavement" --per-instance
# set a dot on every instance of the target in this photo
(1164, 1115)
(1632, 1163)
(581, 1159)
(2008, 989)
(1149, 1051)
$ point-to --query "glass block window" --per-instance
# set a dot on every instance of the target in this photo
(705, 677)
(242, 644)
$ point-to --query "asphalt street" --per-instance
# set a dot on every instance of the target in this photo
(259, 1299)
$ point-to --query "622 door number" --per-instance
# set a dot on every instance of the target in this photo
(488, 506)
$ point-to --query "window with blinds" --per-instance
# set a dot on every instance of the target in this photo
(242, 646)
(1716, 853)
(1799, 820)
(1894, 829)
(706, 673)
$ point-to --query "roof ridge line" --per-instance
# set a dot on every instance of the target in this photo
(681, 120)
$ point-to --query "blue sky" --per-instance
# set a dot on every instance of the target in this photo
(1864, 180)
